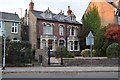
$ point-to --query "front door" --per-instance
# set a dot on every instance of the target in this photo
(50, 44)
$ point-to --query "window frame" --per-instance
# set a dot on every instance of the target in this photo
(61, 30)
(76, 45)
(14, 27)
(0, 24)
(72, 31)
(45, 30)
(71, 46)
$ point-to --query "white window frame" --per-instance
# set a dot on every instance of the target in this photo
(43, 44)
(44, 29)
(0, 24)
(17, 40)
(14, 25)
(74, 31)
(77, 46)
(71, 45)
(61, 30)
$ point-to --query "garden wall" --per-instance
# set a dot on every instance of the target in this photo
(87, 62)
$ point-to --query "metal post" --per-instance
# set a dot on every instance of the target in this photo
(48, 56)
(91, 49)
(61, 56)
(4, 36)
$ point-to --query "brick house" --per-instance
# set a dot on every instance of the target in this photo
(47, 29)
(106, 11)
(11, 23)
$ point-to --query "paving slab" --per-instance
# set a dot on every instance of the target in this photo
(59, 69)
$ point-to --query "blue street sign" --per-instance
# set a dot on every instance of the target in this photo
(90, 39)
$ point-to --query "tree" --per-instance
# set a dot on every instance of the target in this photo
(113, 32)
(100, 42)
(91, 22)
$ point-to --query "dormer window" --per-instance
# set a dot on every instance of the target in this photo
(47, 14)
(73, 17)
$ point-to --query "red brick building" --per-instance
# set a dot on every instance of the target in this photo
(106, 11)
(47, 29)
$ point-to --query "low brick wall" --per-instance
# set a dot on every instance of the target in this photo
(87, 62)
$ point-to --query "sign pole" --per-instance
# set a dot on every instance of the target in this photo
(91, 49)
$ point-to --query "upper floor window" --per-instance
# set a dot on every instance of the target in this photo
(0, 24)
(14, 28)
(72, 31)
(47, 29)
(61, 30)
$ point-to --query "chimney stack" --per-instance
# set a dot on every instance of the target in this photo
(69, 11)
(31, 5)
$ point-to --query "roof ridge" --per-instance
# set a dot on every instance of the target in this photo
(8, 12)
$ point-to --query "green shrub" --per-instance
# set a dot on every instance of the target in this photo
(86, 53)
(94, 54)
(65, 53)
(69, 55)
(113, 50)
(19, 53)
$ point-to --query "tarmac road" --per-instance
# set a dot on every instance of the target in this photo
(62, 75)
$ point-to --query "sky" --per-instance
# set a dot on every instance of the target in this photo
(19, 6)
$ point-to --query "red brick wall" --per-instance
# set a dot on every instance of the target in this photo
(39, 28)
(106, 11)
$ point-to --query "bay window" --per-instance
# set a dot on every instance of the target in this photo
(47, 29)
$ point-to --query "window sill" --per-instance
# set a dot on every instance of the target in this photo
(14, 32)
(74, 50)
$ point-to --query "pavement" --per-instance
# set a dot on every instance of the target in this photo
(58, 69)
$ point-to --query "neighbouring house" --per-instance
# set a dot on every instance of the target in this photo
(11, 23)
(106, 11)
(47, 29)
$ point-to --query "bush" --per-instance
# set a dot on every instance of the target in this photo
(86, 53)
(113, 50)
(19, 53)
(69, 55)
(65, 53)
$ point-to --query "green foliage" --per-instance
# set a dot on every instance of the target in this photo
(100, 43)
(113, 50)
(86, 53)
(69, 55)
(91, 22)
(18, 53)
(65, 53)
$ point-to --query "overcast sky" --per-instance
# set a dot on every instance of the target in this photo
(77, 6)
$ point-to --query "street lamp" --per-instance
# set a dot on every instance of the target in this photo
(4, 37)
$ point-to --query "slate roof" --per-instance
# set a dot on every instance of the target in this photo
(9, 16)
(38, 14)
